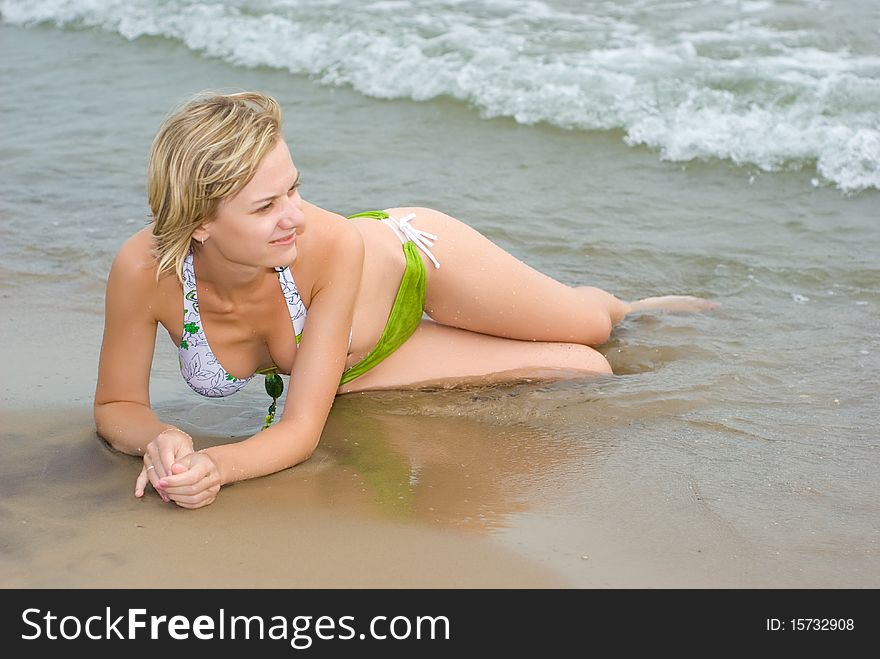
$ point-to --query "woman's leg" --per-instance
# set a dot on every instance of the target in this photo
(482, 288)
(440, 355)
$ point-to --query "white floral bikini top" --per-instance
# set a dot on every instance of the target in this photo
(198, 365)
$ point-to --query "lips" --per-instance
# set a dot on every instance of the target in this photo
(286, 240)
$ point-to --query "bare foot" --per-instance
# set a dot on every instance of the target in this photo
(681, 303)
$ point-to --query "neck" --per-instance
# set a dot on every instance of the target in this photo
(231, 282)
(234, 282)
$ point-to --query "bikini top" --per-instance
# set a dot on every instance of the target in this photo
(198, 365)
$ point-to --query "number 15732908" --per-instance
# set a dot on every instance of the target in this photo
(810, 624)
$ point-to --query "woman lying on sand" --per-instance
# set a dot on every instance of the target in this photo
(283, 286)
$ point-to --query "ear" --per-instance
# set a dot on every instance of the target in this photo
(202, 233)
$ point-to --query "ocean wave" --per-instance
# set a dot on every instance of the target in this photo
(734, 86)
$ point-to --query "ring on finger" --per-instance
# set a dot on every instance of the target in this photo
(151, 467)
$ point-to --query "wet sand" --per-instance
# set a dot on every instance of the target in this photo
(70, 521)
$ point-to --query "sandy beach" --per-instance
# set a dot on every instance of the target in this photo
(67, 523)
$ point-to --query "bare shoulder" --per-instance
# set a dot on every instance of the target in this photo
(348, 243)
(334, 246)
(339, 236)
(135, 264)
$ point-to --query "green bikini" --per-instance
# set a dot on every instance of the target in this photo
(406, 313)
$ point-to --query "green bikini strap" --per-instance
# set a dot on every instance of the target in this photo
(376, 215)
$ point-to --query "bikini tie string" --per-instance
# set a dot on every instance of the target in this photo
(422, 239)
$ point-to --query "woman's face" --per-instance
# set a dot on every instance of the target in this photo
(258, 226)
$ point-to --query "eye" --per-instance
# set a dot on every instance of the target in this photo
(263, 209)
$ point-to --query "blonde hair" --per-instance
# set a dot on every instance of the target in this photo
(206, 150)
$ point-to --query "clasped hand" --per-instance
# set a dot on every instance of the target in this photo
(178, 473)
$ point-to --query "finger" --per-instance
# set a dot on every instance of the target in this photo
(167, 458)
(209, 485)
(209, 481)
(174, 486)
(152, 457)
(153, 477)
(141, 483)
(162, 494)
(189, 476)
(197, 500)
(193, 506)
(177, 468)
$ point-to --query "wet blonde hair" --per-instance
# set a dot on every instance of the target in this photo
(206, 150)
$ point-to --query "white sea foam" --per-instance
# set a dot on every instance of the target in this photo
(694, 80)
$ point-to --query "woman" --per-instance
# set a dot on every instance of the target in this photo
(232, 239)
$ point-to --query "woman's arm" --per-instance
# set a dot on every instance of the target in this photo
(314, 380)
(122, 396)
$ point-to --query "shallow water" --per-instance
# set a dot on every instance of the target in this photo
(734, 449)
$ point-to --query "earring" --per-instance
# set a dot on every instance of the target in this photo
(202, 241)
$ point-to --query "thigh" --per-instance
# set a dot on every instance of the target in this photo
(439, 355)
(482, 288)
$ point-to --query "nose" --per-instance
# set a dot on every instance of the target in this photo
(292, 213)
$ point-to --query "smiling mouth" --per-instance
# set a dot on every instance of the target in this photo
(284, 241)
